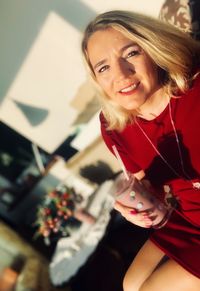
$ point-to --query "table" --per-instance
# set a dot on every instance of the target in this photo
(72, 252)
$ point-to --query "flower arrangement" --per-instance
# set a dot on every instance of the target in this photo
(56, 213)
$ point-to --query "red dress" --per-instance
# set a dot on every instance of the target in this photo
(180, 237)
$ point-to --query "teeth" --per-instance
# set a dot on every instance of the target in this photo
(128, 89)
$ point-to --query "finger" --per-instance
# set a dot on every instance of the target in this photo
(118, 206)
(139, 218)
(121, 208)
(144, 217)
(139, 221)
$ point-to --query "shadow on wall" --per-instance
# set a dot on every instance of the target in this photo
(98, 172)
(34, 115)
(20, 22)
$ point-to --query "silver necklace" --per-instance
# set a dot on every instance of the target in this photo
(195, 185)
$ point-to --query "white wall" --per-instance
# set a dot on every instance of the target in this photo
(149, 7)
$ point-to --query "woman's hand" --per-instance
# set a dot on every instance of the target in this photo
(142, 219)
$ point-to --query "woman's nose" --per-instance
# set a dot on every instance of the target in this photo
(123, 69)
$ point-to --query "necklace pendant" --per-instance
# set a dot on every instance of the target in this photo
(196, 185)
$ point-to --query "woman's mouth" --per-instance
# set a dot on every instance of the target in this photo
(129, 89)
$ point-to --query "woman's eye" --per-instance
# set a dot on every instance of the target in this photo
(132, 53)
(102, 69)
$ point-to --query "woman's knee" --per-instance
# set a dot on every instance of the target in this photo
(130, 283)
(142, 267)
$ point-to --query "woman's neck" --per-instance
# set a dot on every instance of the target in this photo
(154, 106)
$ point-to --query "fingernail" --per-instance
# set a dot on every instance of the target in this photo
(133, 212)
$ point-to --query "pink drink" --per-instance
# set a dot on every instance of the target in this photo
(132, 193)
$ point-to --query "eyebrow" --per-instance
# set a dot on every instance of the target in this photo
(121, 50)
(99, 64)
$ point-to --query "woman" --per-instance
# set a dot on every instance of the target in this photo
(147, 74)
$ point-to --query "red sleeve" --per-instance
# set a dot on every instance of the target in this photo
(111, 138)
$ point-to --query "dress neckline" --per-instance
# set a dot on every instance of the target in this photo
(160, 116)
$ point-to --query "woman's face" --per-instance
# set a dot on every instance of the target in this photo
(122, 69)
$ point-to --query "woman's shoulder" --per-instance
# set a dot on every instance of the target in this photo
(103, 121)
(190, 100)
(194, 91)
(197, 79)
(102, 117)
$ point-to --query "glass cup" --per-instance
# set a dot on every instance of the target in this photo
(132, 193)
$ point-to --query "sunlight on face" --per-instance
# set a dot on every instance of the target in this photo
(122, 69)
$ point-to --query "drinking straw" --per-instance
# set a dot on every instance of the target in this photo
(120, 162)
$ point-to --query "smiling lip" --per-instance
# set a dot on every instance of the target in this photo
(129, 89)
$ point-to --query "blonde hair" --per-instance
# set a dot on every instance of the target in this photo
(176, 54)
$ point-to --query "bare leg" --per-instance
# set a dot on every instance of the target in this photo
(142, 267)
(146, 274)
(169, 277)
